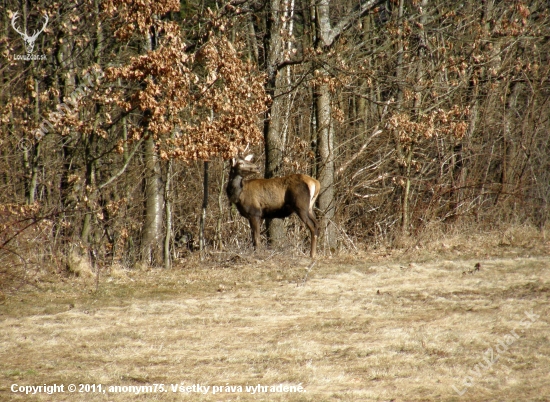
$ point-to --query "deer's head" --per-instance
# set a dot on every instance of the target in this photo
(243, 166)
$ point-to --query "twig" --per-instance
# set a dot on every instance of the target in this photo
(374, 133)
(123, 169)
(307, 273)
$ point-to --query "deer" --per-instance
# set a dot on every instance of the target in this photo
(29, 40)
(278, 197)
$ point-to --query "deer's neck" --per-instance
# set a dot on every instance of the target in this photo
(234, 188)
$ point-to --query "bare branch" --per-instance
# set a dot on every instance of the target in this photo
(328, 33)
(375, 132)
(123, 169)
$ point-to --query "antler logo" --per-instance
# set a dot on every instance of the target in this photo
(29, 40)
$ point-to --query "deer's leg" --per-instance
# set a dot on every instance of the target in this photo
(313, 250)
(314, 234)
(309, 219)
(255, 224)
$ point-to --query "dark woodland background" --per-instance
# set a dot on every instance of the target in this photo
(418, 117)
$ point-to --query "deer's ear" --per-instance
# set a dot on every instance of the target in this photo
(248, 158)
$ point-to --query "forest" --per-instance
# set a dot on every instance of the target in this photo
(118, 119)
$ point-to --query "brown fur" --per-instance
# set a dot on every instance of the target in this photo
(279, 197)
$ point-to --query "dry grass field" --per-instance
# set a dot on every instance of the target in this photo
(445, 323)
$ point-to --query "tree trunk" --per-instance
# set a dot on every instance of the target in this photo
(203, 210)
(91, 142)
(274, 145)
(151, 241)
(34, 151)
(90, 188)
(221, 198)
(404, 160)
(406, 212)
(325, 163)
(325, 129)
(509, 146)
(65, 80)
(152, 228)
(168, 216)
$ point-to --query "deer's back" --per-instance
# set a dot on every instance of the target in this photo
(280, 196)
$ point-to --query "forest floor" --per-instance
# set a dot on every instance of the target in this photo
(454, 322)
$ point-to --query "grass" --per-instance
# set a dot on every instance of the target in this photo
(379, 326)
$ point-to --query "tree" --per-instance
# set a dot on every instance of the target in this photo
(174, 91)
(326, 35)
(273, 123)
(412, 113)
